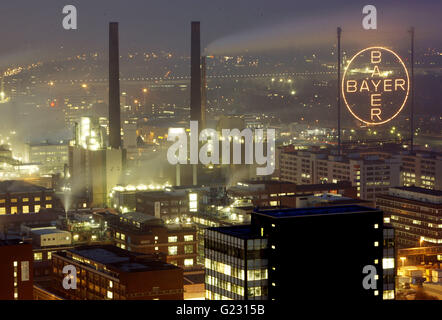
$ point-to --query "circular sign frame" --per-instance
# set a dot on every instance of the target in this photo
(344, 79)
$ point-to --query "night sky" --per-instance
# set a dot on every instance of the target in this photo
(34, 28)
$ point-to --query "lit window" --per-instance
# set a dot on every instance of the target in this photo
(37, 199)
(13, 210)
(49, 255)
(117, 235)
(38, 256)
(188, 248)
(14, 200)
(25, 209)
(376, 226)
(172, 239)
(156, 248)
(376, 292)
(123, 236)
(188, 237)
(156, 237)
(376, 244)
(227, 269)
(188, 262)
(48, 198)
(2, 210)
(48, 206)
(37, 208)
(173, 250)
(388, 263)
(2, 200)
(15, 264)
(123, 246)
(111, 284)
(388, 295)
(110, 295)
(25, 199)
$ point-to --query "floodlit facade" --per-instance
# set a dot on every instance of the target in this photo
(236, 264)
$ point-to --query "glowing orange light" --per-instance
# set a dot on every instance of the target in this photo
(384, 85)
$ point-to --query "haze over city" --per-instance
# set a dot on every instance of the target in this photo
(201, 150)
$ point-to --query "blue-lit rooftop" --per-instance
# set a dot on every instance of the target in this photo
(315, 211)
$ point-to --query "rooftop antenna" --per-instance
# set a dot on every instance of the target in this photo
(412, 91)
(339, 30)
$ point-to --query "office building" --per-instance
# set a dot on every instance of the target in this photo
(333, 244)
(16, 270)
(415, 215)
(422, 169)
(308, 252)
(276, 193)
(18, 197)
(144, 233)
(51, 158)
(371, 174)
(236, 264)
(109, 273)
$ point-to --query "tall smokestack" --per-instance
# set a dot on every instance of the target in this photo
(195, 73)
(203, 92)
(114, 88)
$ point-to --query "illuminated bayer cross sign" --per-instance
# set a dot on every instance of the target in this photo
(375, 85)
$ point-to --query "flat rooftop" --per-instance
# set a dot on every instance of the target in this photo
(18, 186)
(140, 217)
(48, 231)
(120, 260)
(11, 242)
(242, 231)
(314, 211)
(437, 193)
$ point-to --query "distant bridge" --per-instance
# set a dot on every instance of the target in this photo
(185, 79)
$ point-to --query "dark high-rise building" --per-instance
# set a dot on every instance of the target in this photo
(114, 88)
(195, 72)
(310, 253)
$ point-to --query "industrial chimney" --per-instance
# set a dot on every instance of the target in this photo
(195, 73)
(203, 93)
(114, 88)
